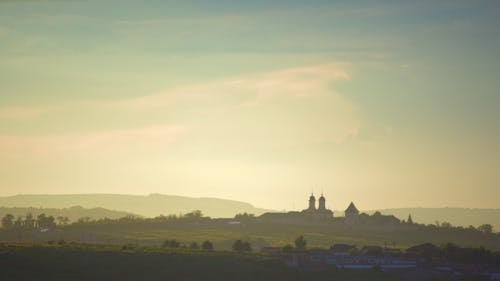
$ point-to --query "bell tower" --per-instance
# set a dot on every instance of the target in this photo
(322, 206)
(312, 203)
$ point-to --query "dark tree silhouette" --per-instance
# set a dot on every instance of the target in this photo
(207, 245)
(45, 222)
(63, 220)
(8, 221)
(486, 228)
(241, 246)
(29, 221)
(171, 244)
(196, 214)
(300, 243)
(244, 217)
(410, 220)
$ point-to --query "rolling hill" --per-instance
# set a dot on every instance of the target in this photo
(72, 213)
(156, 204)
(149, 205)
(455, 216)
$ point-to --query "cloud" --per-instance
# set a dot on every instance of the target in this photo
(220, 20)
(92, 142)
(23, 112)
(287, 105)
(250, 89)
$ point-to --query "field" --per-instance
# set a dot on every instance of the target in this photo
(105, 262)
(223, 234)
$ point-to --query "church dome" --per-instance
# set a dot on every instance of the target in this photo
(322, 203)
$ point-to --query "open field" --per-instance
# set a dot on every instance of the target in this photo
(105, 262)
(223, 234)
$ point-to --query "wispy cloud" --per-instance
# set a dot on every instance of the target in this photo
(23, 112)
(299, 82)
(291, 83)
(233, 98)
(225, 19)
(92, 142)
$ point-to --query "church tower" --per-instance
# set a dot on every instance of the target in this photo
(312, 203)
(322, 206)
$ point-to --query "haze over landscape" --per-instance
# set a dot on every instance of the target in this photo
(388, 105)
(99, 206)
(249, 140)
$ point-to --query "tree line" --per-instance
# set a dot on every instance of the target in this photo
(31, 222)
(196, 216)
(206, 245)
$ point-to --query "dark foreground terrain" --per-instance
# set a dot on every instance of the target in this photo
(92, 262)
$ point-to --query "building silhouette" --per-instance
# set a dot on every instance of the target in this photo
(320, 213)
(351, 214)
(316, 214)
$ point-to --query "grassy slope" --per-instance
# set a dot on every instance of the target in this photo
(80, 262)
(223, 235)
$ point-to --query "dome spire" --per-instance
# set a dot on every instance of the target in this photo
(312, 202)
(322, 205)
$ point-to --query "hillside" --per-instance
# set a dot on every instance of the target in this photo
(223, 233)
(455, 216)
(105, 262)
(149, 206)
(156, 204)
(72, 213)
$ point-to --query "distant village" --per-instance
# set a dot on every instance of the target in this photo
(420, 262)
(321, 214)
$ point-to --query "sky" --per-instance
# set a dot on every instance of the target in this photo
(384, 103)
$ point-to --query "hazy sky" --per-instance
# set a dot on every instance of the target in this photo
(387, 104)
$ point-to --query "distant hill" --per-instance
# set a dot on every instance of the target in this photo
(156, 204)
(149, 206)
(455, 216)
(73, 213)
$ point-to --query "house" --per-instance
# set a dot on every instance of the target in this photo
(342, 249)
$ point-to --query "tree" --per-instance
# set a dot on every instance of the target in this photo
(485, 228)
(8, 221)
(241, 246)
(196, 214)
(446, 224)
(63, 220)
(300, 243)
(45, 222)
(194, 246)
(29, 221)
(19, 223)
(244, 217)
(410, 220)
(171, 244)
(207, 245)
(84, 220)
(471, 228)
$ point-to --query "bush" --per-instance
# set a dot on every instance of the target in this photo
(241, 246)
(207, 245)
